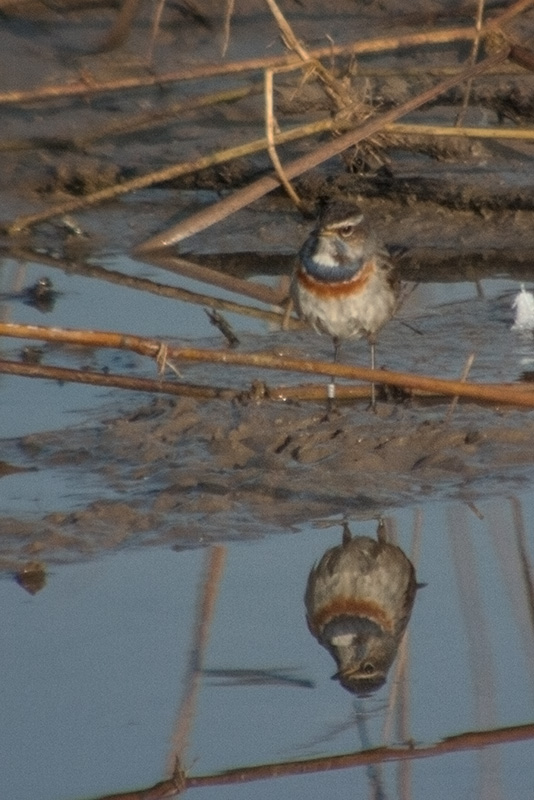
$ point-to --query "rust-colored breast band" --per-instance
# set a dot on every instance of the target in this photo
(337, 289)
(351, 607)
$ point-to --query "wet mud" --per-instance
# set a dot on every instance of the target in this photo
(186, 473)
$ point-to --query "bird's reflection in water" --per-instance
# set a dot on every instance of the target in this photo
(359, 598)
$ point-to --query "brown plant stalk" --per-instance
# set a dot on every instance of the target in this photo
(508, 394)
(470, 740)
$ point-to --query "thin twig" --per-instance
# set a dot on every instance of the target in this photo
(463, 377)
(474, 55)
(228, 11)
(223, 325)
(270, 136)
(207, 596)
(415, 129)
(154, 29)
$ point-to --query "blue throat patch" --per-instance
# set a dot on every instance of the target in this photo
(322, 273)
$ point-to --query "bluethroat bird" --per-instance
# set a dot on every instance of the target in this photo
(344, 284)
(359, 598)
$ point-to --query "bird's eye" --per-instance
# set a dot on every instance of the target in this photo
(346, 231)
(368, 668)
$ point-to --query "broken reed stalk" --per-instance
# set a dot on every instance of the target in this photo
(301, 393)
(402, 71)
(118, 33)
(254, 191)
(214, 562)
(270, 136)
(508, 394)
(462, 742)
(474, 54)
(159, 176)
(91, 378)
(415, 129)
(340, 96)
(241, 150)
(131, 124)
(163, 790)
(228, 11)
(154, 29)
(463, 377)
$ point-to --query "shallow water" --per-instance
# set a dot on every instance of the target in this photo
(96, 666)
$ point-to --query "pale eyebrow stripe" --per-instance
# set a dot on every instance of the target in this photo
(343, 223)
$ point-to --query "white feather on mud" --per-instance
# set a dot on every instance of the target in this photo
(523, 305)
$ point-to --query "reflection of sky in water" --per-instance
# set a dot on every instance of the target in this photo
(93, 668)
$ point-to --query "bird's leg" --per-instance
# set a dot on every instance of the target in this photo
(373, 388)
(347, 535)
(332, 385)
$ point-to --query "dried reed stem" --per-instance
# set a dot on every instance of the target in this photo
(463, 377)
(270, 136)
(154, 386)
(470, 740)
(473, 58)
(407, 129)
(228, 11)
(333, 87)
(257, 291)
(205, 609)
(375, 45)
(154, 28)
(508, 394)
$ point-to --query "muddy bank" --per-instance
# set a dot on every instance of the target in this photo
(186, 473)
